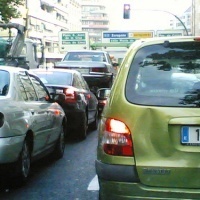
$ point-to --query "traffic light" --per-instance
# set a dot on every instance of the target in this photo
(126, 14)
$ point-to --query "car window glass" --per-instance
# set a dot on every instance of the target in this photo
(108, 58)
(4, 82)
(40, 90)
(55, 78)
(28, 87)
(165, 75)
(22, 89)
(83, 83)
(77, 82)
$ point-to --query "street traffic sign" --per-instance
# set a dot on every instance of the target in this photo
(73, 40)
(125, 36)
(169, 33)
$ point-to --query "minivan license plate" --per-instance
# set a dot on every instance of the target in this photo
(190, 135)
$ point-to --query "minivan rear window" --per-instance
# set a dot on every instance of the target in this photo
(165, 74)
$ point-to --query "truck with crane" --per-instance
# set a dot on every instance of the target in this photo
(17, 50)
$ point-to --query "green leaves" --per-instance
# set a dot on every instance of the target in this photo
(10, 9)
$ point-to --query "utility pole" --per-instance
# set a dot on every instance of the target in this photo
(170, 14)
(176, 18)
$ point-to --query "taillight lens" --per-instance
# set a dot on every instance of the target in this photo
(197, 39)
(117, 139)
(102, 102)
(99, 69)
(88, 96)
(71, 95)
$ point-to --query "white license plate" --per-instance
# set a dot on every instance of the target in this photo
(59, 91)
(83, 70)
(190, 135)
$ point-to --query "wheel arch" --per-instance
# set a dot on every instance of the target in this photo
(30, 138)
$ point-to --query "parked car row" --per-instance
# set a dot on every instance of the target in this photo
(40, 108)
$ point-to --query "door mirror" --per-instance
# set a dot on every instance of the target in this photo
(103, 93)
(59, 98)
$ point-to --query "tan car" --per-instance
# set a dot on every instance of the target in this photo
(32, 124)
(95, 66)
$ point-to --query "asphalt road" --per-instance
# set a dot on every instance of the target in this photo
(71, 178)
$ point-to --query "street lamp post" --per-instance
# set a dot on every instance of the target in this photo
(171, 14)
(176, 18)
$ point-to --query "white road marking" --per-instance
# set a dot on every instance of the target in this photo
(94, 184)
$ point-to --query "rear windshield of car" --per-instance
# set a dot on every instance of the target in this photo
(85, 56)
(55, 78)
(165, 74)
(4, 82)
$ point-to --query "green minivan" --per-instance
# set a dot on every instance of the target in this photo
(149, 132)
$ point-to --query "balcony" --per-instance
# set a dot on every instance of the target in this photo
(94, 26)
(49, 3)
(94, 18)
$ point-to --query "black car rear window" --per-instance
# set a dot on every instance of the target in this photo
(165, 74)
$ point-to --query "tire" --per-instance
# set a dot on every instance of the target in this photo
(60, 145)
(94, 124)
(24, 164)
(82, 130)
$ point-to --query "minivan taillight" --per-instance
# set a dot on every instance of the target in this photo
(117, 139)
(71, 95)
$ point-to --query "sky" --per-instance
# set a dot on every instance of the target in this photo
(143, 14)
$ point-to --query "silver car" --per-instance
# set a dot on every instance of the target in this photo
(31, 122)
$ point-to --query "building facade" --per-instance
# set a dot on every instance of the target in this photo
(196, 17)
(94, 19)
(45, 18)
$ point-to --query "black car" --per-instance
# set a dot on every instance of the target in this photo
(80, 105)
(95, 66)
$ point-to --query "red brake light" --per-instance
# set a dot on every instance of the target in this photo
(117, 139)
(102, 102)
(88, 96)
(71, 95)
(99, 69)
(197, 39)
(55, 111)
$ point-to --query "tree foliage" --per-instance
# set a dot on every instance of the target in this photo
(9, 9)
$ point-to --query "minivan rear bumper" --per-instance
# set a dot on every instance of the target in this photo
(113, 190)
(116, 172)
(118, 182)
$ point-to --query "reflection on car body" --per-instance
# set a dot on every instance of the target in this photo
(95, 66)
(80, 105)
(149, 134)
(32, 124)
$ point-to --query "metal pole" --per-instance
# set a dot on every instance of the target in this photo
(171, 14)
(176, 18)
